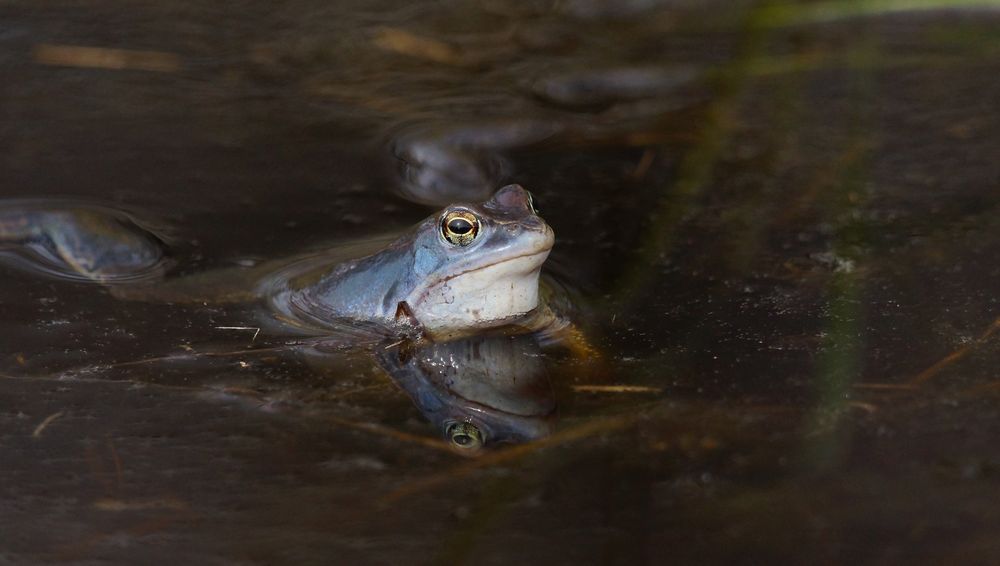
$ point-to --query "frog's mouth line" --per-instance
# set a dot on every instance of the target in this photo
(429, 288)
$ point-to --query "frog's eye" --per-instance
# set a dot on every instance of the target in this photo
(465, 436)
(460, 227)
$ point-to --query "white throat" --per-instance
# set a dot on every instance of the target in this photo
(480, 298)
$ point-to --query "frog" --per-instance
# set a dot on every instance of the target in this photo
(454, 310)
(465, 153)
(81, 241)
(467, 268)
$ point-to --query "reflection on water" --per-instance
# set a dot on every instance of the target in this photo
(601, 89)
(476, 392)
(442, 161)
(452, 163)
(779, 221)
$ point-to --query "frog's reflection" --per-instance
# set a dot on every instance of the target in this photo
(478, 392)
(78, 241)
(464, 154)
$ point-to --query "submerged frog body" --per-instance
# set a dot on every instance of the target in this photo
(442, 163)
(469, 267)
(79, 241)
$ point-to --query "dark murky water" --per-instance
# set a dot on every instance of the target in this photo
(778, 226)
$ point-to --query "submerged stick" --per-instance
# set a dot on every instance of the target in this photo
(106, 58)
(616, 389)
(940, 365)
(45, 423)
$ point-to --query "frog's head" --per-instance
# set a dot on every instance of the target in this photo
(479, 264)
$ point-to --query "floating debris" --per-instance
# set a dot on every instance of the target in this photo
(256, 330)
(413, 45)
(45, 423)
(616, 389)
(106, 58)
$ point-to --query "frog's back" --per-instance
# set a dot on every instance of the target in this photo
(249, 283)
(81, 241)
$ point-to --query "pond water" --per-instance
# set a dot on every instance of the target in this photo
(776, 233)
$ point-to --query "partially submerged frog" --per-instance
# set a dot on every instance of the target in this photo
(80, 241)
(470, 267)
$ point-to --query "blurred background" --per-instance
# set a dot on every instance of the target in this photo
(776, 226)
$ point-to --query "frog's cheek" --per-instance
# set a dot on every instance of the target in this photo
(487, 297)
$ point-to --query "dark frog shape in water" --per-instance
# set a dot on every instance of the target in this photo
(469, 267)
(79, 241)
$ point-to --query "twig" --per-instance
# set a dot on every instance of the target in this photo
(171, 357)
(407, 43)
(392, 433)
(48, 420)
(616, 389)
(645, 162)
(877, 386)
(955, 356)
(105, 58)
(256, 330)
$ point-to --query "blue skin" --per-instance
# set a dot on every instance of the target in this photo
(429, 279)
(376, 288)
(101, 245)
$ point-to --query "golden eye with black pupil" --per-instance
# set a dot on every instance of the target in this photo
(460, 227)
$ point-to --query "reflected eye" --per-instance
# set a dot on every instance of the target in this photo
(465, 436)
(460, 227)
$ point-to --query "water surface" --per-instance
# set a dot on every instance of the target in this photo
(779, 227)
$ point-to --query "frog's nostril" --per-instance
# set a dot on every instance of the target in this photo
(533, 223)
